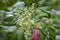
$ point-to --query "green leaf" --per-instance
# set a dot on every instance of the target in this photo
(20, 35)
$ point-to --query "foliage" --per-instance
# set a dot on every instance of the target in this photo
(31, 17)
(27, 18)
(5, 4)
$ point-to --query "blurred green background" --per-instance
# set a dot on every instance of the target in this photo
(18, 18)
